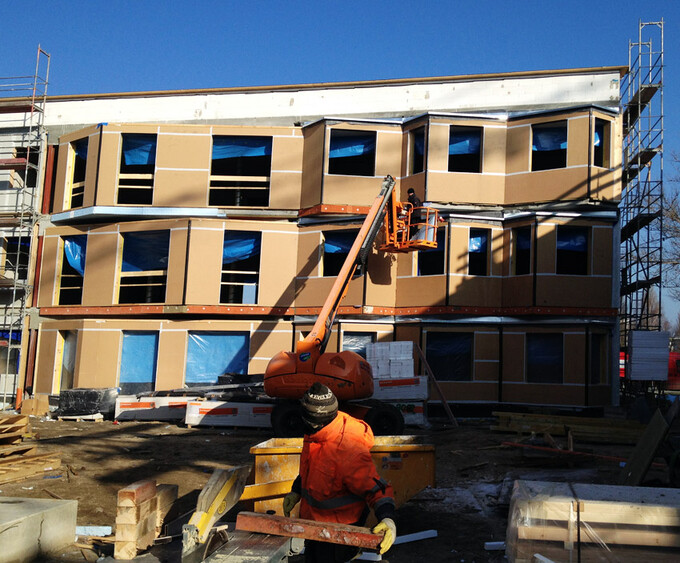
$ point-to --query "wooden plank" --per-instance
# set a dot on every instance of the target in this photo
(22, 470)
(602, 535)
(268, 490)
(136, 493)
(14, 419)
(27, 458)
(20, 449)
(505, 417)
(166, 495)
(645, 451)
(124, 550)
(435, 383)
(136, 513)
(329, 532)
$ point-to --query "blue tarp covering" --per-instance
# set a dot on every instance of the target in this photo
(464, 142)
(145, 251)
(336, 242)
(138, 361)
(80, 147)
(419, 143)
(211, 354)
(450, 355)
(572, 239)
(523, 237)
(75, 248)
(16, 336)
(239, 245)
(549, 138)
(234, 147)
(351, 146)
(139, 149)
(478, 240)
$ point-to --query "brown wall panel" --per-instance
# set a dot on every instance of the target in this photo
(174, 291)
(388, 153)
(421, 291)
(438, 148)
(416, 182)
(309, 254)
(602, 246)
(475, 291)
(513, 357)
(459, 243)
(172, 346)
(518, 291)
(599, 395)
(45, 358)
(495, 149)
(312, 164)
(547, 185)
(574, 357)
(204, 270)
(109, 165)
(180, 188)
(48, 273)
(381, 287)
(278, 269)
(543, 394)
(312, 292)
(286, 177)
(573, 291)
(100, 369)
(517, 151)
(91, 169)
(458, 187)
(62, 179)
(478, 391)
(578, 141)
(486, 371)
(102, 266)
(350, 190)
(266, 340)
(192, 151)
(547, 243)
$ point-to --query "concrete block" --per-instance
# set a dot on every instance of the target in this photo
(38, 527)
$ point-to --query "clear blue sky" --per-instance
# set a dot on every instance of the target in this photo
(123, 45)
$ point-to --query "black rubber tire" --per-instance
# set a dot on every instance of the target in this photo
(287, 420)
(385, 419)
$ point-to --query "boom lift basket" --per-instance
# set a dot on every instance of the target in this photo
(407, 228)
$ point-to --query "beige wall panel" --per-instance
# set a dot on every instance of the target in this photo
(48, 273)
(602, 242)
(191, 151)
(278, 269)
(102, 270)
(285, 190)
(109, 165)
(309, 254)
(181, 188)
(421, 291)
(547, 185)
(475, 291)
(574, 358)
(517, 149)
(174, 291)
(547, 243)
(518, 291)
(486, 345)
(204, 268)
(146, 128)
(605, 184)
(270, 339)
(172, 346)
(578, 141)
(61, 180)
(91, 170)
(455, 391)
(459, 243)
(98, 369)
(457, 187)
(405, 264)
(486, 371)
(438, 149)
(350, 190)
(182, 129)
(497, 249)
(79, 134)
(388, 154)
(45, 358)
(416, 182)
(543, 394)
(312, 292)
(312, 165)
(513, 357)
(495, 150)
(573, 291)
(381, 286)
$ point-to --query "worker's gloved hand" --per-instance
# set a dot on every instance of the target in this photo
(289, 502)
(389, 528)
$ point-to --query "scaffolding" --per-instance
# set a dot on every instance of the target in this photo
(642, 196)
(22, 147)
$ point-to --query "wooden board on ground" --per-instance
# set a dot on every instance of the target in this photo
(15, 468)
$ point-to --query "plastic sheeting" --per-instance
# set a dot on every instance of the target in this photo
(357, 341)
(338, 242)
(450, 355)
(574, 238)
(138, 361)
(80, 148)
(478, 240)
(211, 354)
(75, 248)
(545, 357)
(354, 145)
(523, 238)
(240, 245)
(145, 251)
(235, 147)
(464, 142)
(139, 149)
(549, 138)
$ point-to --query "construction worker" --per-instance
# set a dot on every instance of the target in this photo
(416, 216)
(338, 481)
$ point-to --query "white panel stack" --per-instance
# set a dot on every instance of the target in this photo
(390, 359)
(648, 356)
(229, 413)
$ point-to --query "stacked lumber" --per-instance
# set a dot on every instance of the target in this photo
(18, 460)
(591, 430)
(584, 522)
(141, 509)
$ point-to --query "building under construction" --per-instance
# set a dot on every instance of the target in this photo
(190, 234)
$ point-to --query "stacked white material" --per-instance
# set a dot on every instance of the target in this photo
(129, 407)
(400, 388)
(648, 356)
(230, 413)
(390, 359)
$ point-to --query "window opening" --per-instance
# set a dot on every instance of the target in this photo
(138, 362)
(549, 145)
(211, 355)
(336, 247)
(137, 164)
(17, 253)
(572, 250)
(465, 148)
(450, 355)
(240, 171)
(145, 266)
(240, 267)
(417, 142)
(602, 143)
(432, 261)
(352, 153)
(69, 346)
(357, 341)
(10, 367)
(72, 270)
(545, 355)
(79, 149)
(521, 250)
(478, 252)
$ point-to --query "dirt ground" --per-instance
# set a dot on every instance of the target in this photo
(468, 506)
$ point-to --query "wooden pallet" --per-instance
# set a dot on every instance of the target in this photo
(12, 429)
(18, 467)
(97, 417)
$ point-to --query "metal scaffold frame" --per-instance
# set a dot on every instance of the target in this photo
(642, 196)
(23, 141)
